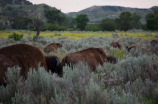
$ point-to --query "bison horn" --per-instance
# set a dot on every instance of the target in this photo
(57, 61)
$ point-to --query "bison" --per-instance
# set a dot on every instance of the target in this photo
(52, 47)
(27, 56)
(92, 56)
(54, 65)
(131, 47)
(154, 42)
(115, 45)
(111, 59)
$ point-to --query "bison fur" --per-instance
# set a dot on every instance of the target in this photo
(52, 47)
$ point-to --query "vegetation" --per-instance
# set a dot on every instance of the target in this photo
(92, 27)
(97, 13)
(152, 20)
(133, 80)
(15, 36)
(108, 25)
(81, 21)
(128, 21)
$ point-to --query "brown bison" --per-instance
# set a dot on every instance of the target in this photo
(115, 45)
(52, 47)
(131, 47)
(92, 56)
(27, 56)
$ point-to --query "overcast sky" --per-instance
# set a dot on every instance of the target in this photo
(77, 5)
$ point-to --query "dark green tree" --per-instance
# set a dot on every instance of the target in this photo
(152, 24)
(124, 22)
(19, 23)
(54, 16)
(152, 20)
(81, 21)
(136, 21)
(108, 24)
(152, 14)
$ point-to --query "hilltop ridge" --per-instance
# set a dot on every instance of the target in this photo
(97, 13)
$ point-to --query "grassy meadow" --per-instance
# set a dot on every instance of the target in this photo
(132, 80)
(76, 35)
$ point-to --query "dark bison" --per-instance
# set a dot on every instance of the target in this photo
(115, 45)
(92, 56)
(52, 47)
(154, 42)
(111, 59)
(27, 56)
(54, 65)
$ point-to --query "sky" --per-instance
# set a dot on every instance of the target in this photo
(67, 6)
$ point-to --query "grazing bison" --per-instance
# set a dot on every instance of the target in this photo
(142, 48)
(27, 56)
(111, 59)
(131, 47)
(52, 47)
(54, 65)
(92, 56)
(154, 42)
(115, 45)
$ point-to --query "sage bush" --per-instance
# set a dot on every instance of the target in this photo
(133, 80)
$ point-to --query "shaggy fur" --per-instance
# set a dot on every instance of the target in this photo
(52, 47)
(92, 56)
(25, 56)
(54, 65)
(4, 64)
(111, 59)
(115, 45)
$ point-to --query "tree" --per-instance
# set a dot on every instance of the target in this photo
(125, 21)
(136, 21)
(152, 20)
(81, 21)
(19, 23)
(152, 24)
(54, 17)
(128, 20)
(152, 14)
(34, 21)
(108, 24)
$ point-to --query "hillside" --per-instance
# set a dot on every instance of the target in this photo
(15, 2)
(97, 13)
(7, 7)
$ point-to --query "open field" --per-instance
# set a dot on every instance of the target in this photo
(75, 35)
(132, 80)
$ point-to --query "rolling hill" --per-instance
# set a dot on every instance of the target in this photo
(7, 7)
(97, 13)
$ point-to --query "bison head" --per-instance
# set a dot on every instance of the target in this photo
(54, 65)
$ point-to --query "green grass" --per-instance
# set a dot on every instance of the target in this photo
(116, 53)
